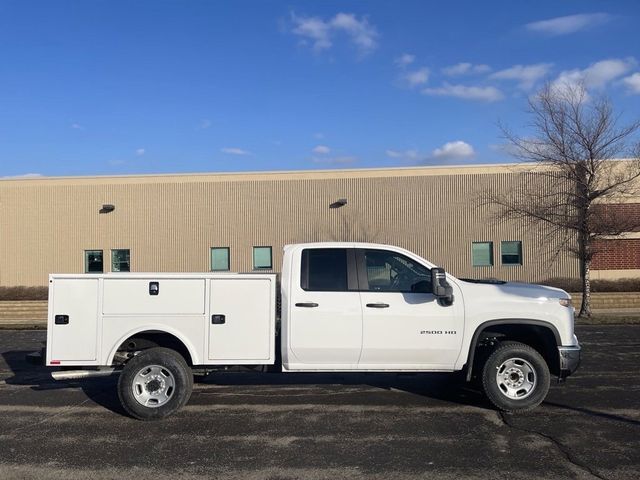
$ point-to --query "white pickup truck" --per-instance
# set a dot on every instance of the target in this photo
(347, 307)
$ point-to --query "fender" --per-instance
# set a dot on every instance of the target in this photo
(505, 321)
(156, 328)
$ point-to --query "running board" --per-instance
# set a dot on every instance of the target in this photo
(78, 374)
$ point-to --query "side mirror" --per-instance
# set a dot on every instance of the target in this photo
(441, 288)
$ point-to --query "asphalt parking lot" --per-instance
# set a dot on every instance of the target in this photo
(313, 426)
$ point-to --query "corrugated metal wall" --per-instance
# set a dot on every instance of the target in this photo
(170, 222)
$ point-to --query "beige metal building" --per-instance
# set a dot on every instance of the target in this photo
(199, 222)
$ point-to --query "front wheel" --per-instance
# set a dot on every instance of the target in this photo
(515, 377)
(155, 383)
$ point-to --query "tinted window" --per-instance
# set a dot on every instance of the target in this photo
(511, 253)
(393, 272)
(324, 269)
(120, 260)
(93, 261)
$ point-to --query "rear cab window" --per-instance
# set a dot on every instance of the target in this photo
(328, 270)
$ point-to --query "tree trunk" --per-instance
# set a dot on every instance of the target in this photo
(585, 274)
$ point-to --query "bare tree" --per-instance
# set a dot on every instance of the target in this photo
(582, 162)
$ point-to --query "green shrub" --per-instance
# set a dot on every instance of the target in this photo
(24, 293)
(574, 285)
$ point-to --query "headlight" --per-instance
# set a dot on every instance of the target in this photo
(565, 302)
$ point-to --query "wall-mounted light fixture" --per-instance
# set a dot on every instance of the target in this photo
(107, 208)
(338, 203)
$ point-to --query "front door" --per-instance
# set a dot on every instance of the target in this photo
(325, 326)
(404, 326)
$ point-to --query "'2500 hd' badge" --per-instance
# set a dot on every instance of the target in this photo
(438, 332)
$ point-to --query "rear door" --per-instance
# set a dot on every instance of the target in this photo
(403, 323)
(325, 325)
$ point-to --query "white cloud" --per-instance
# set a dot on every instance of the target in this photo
(321, 149)
(569, 23)
(596, 75)
(525, 75)
(465, 68)
(321, 32)
(77, 126)
(633, 83)
(457, 150)
(234, 151)
(140, 152)
(404, 60)
(417, 77)
(485, 94)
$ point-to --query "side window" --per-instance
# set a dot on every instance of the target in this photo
(324, 270)
(393, 272)
(93, 261)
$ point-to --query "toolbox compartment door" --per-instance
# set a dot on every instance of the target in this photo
(73, 320)
(139, 296)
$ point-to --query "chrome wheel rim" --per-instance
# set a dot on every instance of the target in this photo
(516, 378)
(153, 386)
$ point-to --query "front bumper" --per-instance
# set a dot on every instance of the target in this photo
(569, 360)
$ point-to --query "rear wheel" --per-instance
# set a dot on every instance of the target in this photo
(155, 383)
(515, 377)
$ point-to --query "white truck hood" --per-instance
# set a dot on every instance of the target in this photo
(486, 301)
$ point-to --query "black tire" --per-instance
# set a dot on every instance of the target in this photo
(515, 377)
(157, 372)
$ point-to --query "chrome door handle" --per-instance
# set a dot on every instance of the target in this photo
(307, 304)
(378, 305)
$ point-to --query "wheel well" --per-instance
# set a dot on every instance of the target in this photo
(540, 337)
(151, 339)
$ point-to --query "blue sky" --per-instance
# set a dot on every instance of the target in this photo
(115, 87)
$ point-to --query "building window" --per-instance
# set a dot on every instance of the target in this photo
(511, 253)
(262, 258)
(482, 254)
(93, 261)
(219, 259)
(120, 260)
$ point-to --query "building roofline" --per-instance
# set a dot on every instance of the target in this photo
(426, 170)
(278, 174)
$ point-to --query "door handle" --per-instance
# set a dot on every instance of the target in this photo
(62, 319)
(378, 305)
(218, 319)
(307, 304)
